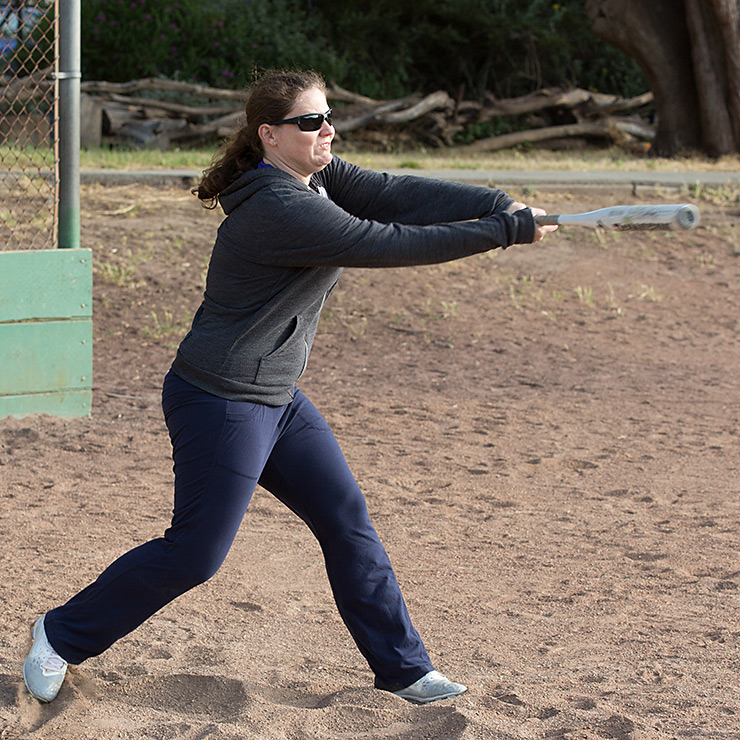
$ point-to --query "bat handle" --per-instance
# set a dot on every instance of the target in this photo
(547, 220)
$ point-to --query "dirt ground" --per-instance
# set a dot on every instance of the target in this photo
(548, 441)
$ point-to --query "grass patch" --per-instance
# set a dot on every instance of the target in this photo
(115, 274)
(521, 158)
(121, 270)
(145, 159)
(592, 158)
(585, 295)
(648, 293)
(163, 326)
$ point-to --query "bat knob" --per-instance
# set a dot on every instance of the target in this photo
(688, 217)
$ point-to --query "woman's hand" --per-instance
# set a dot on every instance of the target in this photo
(539, 231)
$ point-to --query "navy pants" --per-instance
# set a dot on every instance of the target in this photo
(221, 450)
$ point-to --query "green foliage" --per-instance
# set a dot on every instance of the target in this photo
(26, 45)
(384, 49)
(219, 43)
(35, 36)
(262, 34)
(505, 47)
(495, 127)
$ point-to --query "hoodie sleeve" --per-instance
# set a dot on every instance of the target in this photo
(293, 227)
(407, 199)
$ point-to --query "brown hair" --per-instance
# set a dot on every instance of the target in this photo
(270, 99)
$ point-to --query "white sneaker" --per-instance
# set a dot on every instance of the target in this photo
(431, 687)
(44, 669)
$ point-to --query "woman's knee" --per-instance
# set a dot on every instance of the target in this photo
(195, 564)
(343, 511)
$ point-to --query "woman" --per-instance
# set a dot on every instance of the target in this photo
(296, 216)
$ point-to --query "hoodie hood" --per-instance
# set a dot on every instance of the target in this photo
(253, 181)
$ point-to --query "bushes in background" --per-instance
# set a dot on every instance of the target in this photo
(383, 49)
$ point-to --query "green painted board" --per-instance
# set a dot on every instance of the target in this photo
(46, 332)
(45, 284)
(58, 403)
(41, 356)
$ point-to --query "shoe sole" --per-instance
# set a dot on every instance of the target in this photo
(427, 700)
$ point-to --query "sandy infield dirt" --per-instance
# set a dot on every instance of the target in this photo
(548, 441)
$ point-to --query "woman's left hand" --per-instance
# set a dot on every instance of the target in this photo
(539, 231)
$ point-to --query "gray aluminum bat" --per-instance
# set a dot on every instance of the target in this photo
(679, 216)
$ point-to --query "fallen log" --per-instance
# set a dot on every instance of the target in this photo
(620, 105)
(610, 129)
(158, 83)
(117, 115)
(334, 92)
(389, 112)
(435, 119)
(157, 134)
(542, 99)
(21, 89)
(436, 101)
(223, 126)
(366, 117)
(173, 109)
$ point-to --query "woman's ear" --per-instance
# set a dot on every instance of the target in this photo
(267, 135)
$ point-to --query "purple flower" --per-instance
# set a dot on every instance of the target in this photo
(100, 17)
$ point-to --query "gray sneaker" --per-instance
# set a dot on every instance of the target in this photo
(44, 669)
(431, 687)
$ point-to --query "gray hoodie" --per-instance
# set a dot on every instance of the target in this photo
(281, 249)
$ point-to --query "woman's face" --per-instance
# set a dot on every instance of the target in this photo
(301, 153)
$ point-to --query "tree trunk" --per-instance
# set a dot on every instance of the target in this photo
(728, 21)
(689, 51)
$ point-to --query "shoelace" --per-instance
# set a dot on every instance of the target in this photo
(52, 664)
(433, 678)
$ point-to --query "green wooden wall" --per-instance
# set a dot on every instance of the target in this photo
(46, 332)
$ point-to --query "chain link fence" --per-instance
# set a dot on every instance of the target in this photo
(29, 187)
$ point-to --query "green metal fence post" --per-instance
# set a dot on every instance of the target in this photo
(68, 76)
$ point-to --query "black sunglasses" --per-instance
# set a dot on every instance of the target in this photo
(307, 122)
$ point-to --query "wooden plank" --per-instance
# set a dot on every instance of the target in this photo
(43, 356)
(59, 403)
(45, 284)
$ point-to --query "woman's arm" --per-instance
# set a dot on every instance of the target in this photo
(292, 227)
(407, 199)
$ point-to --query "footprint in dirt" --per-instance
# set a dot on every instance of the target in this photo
(368, 713)
(33, 715)
(217, 697)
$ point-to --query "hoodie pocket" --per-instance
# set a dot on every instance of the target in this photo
(284, 365)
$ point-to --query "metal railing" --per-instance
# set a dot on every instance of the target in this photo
(30, 79)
